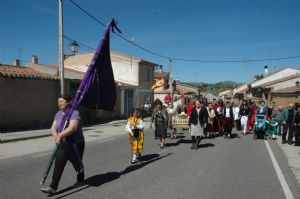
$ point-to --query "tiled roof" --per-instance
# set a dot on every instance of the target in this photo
(266, 80)
(283, 68)
(158, 75)
(280, 80)
(227, 93)
(84, 58)
(23, 72)
(240, 89)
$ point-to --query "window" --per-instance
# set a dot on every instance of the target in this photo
(147, 74)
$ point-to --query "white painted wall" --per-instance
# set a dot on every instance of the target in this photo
(127, 72)
(285, 84)
(284, 73)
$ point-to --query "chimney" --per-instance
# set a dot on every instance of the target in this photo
(266, 71)
(16, 62)
(161, 69)
(34, 59)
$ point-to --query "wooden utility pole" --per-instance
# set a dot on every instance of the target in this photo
(170, 76)
(61, 47)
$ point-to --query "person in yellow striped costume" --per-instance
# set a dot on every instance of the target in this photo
(135, 128)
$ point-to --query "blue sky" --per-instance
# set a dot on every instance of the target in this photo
(191, 29)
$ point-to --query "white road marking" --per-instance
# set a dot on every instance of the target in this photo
(41, 155)
(287, 192)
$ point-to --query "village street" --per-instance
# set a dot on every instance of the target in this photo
(108, 82)
(237, 168)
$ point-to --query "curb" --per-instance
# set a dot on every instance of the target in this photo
(23, 138)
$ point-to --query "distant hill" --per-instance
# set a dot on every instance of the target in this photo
(214, 88)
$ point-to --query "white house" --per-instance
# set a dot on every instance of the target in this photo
(134, 76)
(278, 86)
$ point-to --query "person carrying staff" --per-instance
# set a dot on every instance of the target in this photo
(64, 152)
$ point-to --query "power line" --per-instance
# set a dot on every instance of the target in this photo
(86, 12)
(93, 49)
(182, 59)
(121, 36)
(236, 61)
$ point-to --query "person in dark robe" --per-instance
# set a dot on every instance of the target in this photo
(228, 120)
(160, 119)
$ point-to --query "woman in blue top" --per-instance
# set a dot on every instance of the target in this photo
(75, 135)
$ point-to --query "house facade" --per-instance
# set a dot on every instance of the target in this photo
(133, 77)
(28, 98)
(279, 87)
(226, 95)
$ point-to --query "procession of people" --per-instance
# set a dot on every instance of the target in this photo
(216, 118)
(202, 119)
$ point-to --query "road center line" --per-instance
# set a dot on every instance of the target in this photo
(287, 192)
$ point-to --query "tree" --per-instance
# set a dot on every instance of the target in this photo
(258, 77)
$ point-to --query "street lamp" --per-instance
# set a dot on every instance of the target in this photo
(74, 47)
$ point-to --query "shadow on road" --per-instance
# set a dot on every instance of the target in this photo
(188, 141)
(206, 145)
(235, 135)
(100, 179)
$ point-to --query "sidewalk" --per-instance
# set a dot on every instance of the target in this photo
(293, 156)
(29, 142)
(24, 135)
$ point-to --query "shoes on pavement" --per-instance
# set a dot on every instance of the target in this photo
(138, 156)
(78, 184)
(283, 141)
(80, 176)
(290, 143)
(48, 190)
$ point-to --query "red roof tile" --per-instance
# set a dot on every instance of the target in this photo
(158, 75)
(23, 72)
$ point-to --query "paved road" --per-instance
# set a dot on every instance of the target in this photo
(237, 168)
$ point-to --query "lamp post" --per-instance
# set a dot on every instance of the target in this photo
(74, 47)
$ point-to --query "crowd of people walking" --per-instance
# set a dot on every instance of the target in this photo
(216, 118)
(204, 120)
